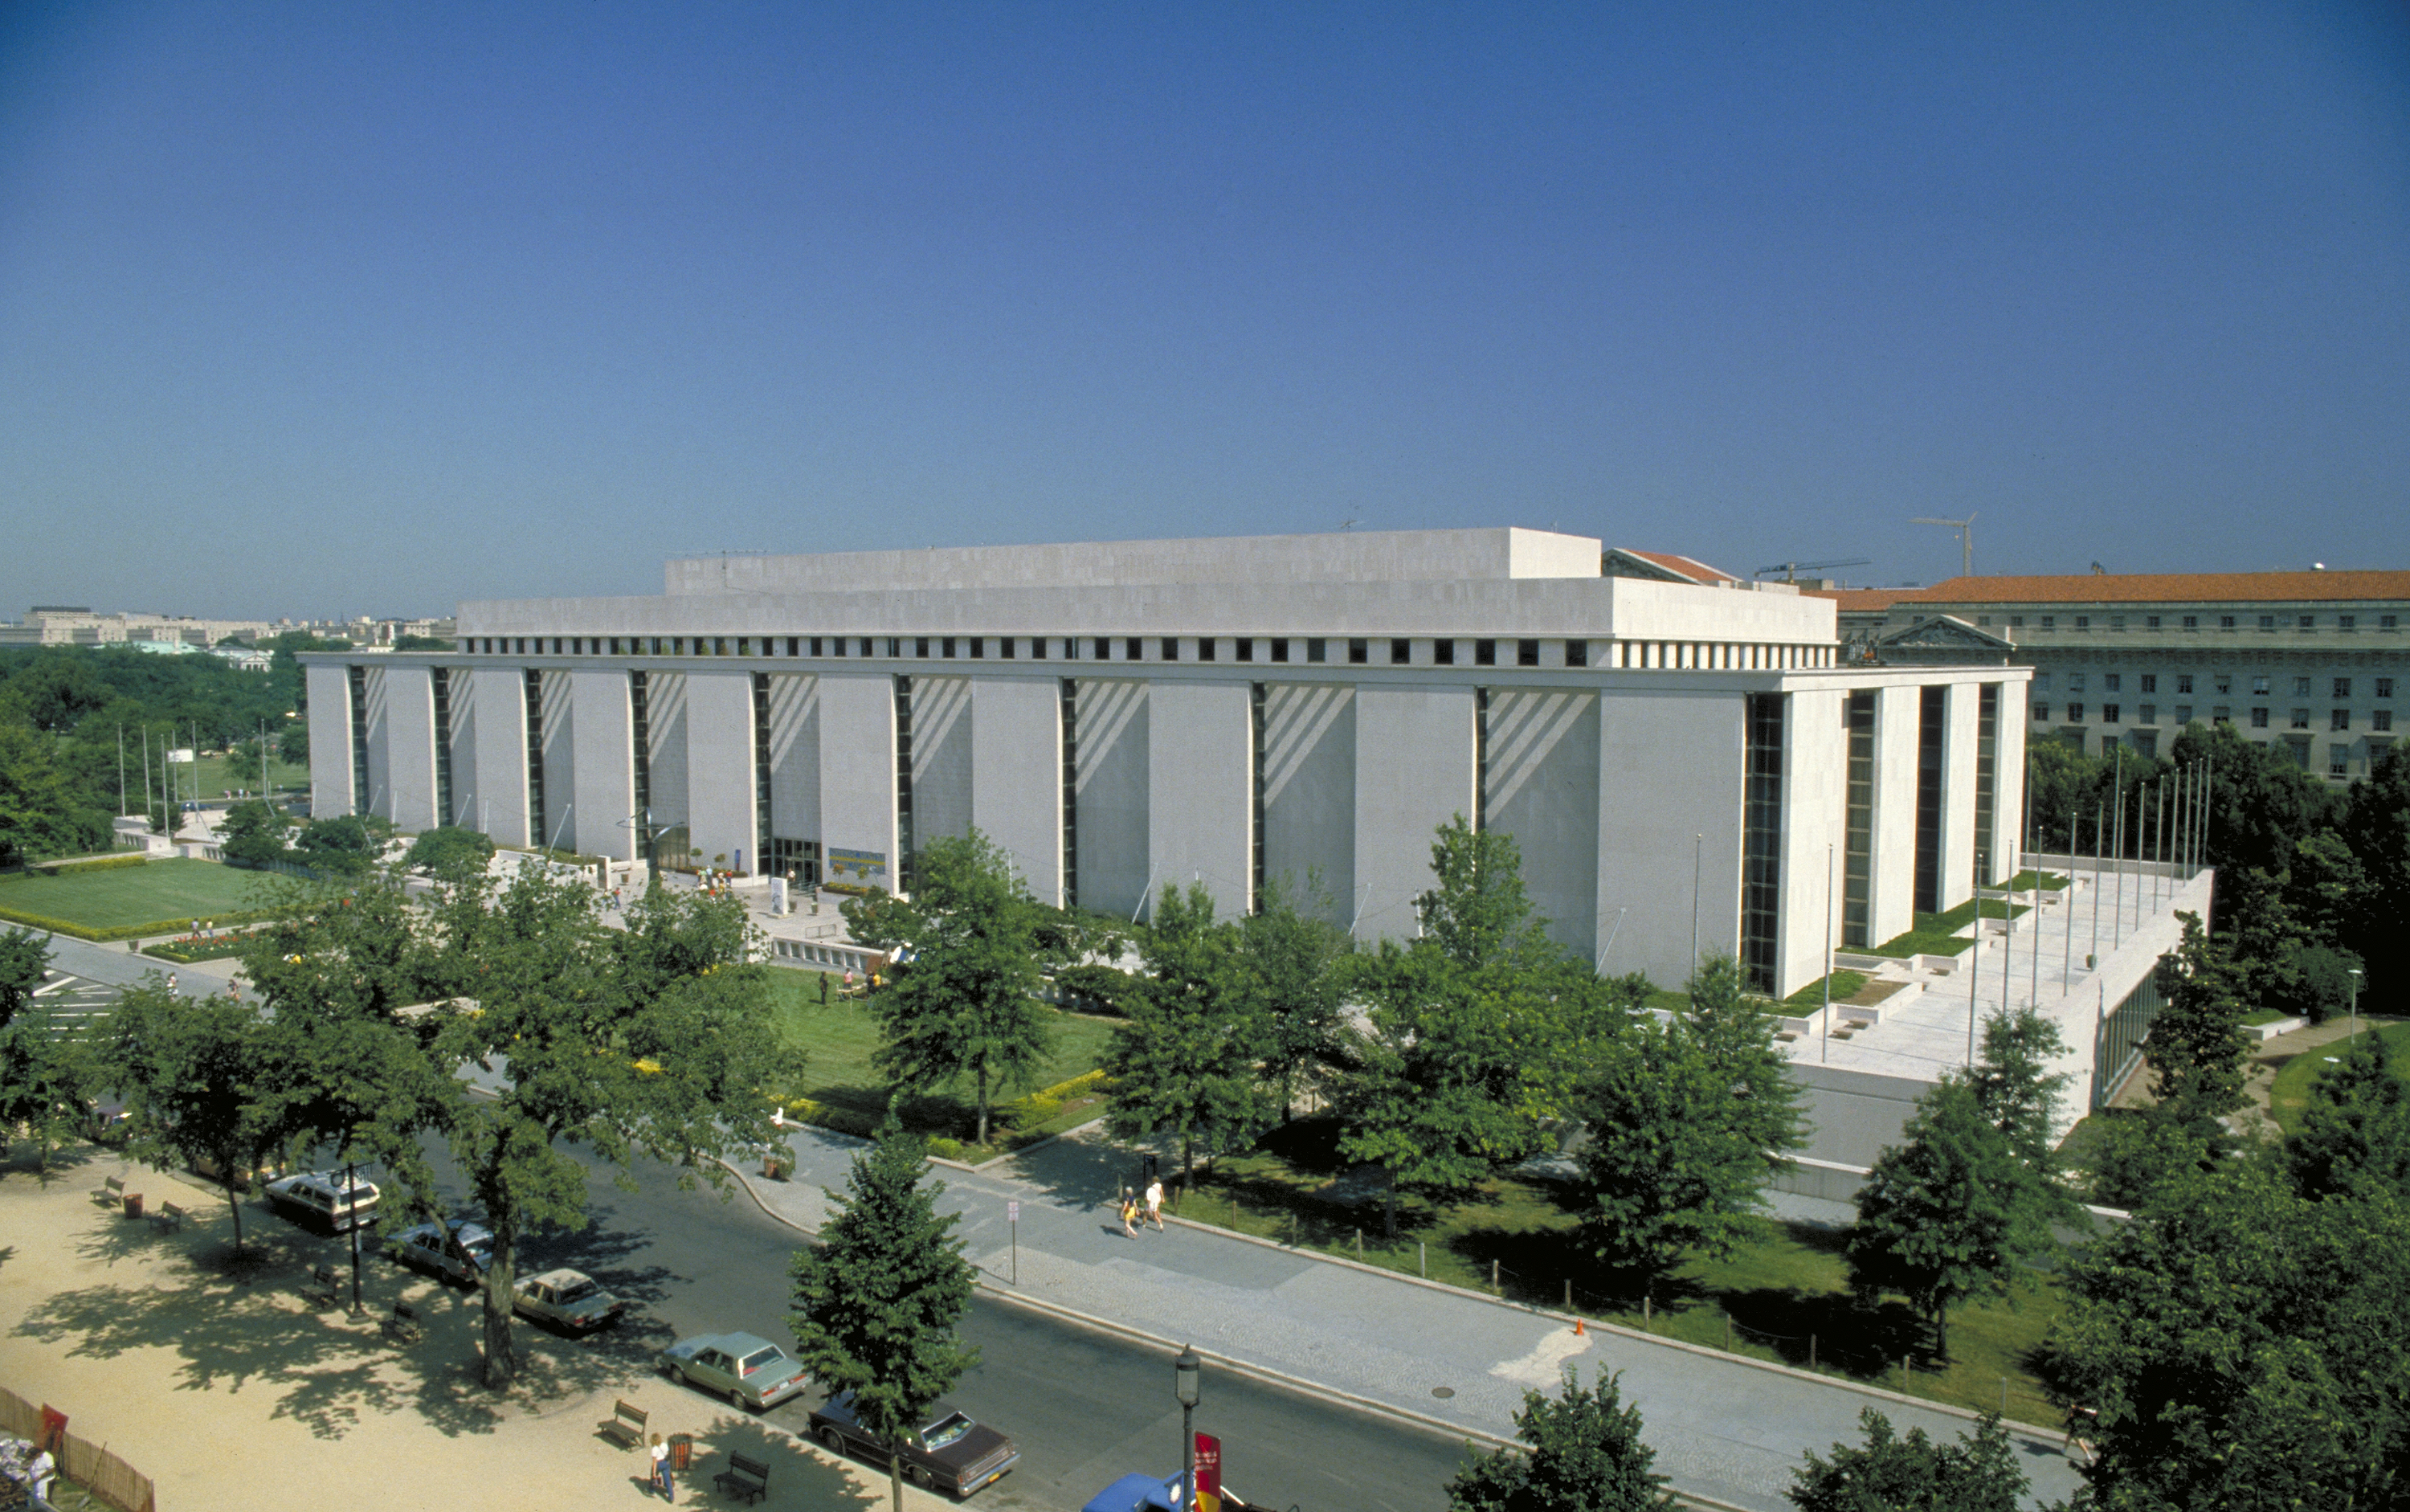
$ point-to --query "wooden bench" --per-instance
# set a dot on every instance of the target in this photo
(748, 1478)
(111, 1192)
(625, 1427)
(403, 1327)
(170, 1217)
(324, 1288)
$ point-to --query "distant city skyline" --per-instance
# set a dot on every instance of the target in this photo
(304, 308)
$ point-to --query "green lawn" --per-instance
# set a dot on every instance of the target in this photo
(118, 895)
(1780, 1298)
(222, 774)
(2291, 1091)
(841, 1037)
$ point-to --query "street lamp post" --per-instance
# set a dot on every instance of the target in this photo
(2354, 1003)
(1187, 1372)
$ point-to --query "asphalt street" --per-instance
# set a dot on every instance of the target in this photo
(1084, 1408)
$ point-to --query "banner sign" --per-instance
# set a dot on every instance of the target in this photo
(180, 755)
(856, 871)
(1209, 1473)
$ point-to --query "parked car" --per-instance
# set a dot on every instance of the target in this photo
(569, 1299)
(456, 1250)
(1145, 1493)
(319, 1199)
(750, 1371)
(951, 1453)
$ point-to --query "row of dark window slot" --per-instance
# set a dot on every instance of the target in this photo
(2192, 622)
(2379, 719)
(1358, 650)
(2222, 682)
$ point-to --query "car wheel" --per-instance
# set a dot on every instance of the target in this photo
(736, 1399)
(834, 1440)
(916, 1476)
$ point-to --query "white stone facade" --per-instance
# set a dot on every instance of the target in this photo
(1124, 717)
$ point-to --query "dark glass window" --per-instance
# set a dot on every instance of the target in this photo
(1857, 861)
(1443, 653)
(1401, 651)
(1133, 649)
(1280, 647)
(1359, 652)
(1988, 776)
(1171, 648)
(1760, 895)
(1527, 653)
(1204, 647)
(1316, 649)
(1246, 647)
(945, 648)
(1577, 653)
(1932, 745)
(1485, 653)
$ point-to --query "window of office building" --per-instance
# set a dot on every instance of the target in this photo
(1317, 648)
(442, 679)
(1527, 653)
(946, 647)
(2146, 743)
(903, 784)
(1205, 645)
(1071, 708)
(2267, 621)
(2183, 713)
(2150, 621)
(1932, 743)
(762, 826)
(2260, 686)
(2226, 621)
(1258, 724)
(2150, 682)
(2339, 719)
(2220, 714)
(2192, 621)
(2083, 621)
(894, 647)
(1280, 647)
(2344, 621)
(2301, 687)
(2381, 719)
(1760, 898)
(1577, 653)
(2183, 682)
(1401, 651)
(1485, 653)
(2112, 682)
(2339, 760)
(1857, 861)
(2117, 621)
(1987, 776)
(1104, 649)
(2041, 713)
(1443, 653)
(2342, 688)
(2074, 712)
(921, 647)
(1134, 649)
(2146, 714)
(533, 684)
(639, 730)
(2300, 719)
(2109, 713)
(2385, 621)
(2224, 683)
(979, 648)
(1480, 758)
(2309, 620)
(2050, 621)
(1171, 648)
(355, 681)
(1246, 645)
(2259, 718)
(2075, 682)
(1360, 651)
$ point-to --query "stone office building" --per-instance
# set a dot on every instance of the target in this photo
(1677, 760)
(2313, 663)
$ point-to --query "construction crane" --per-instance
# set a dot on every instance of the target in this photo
(1790, 569)
(1965, 529)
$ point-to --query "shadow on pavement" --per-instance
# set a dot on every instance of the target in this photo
(231, 1325)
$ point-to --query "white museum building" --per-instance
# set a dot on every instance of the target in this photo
(1678, 762)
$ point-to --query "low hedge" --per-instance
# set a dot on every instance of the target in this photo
(105, 935)
(66, 868)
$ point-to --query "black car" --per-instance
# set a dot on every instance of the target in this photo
(951, 1453)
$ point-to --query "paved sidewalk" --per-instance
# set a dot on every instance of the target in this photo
(1723, 1429)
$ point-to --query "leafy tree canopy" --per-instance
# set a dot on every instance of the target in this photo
(1184, 1060)
(1585, 1455)
(1913, 1473)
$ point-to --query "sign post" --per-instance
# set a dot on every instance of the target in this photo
(1012, 1216)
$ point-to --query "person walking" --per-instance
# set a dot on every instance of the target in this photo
(1129, 1216)
(1154, 1203)
(662, 1469)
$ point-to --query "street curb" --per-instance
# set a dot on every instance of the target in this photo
(1705, 1351)
(993, 1161)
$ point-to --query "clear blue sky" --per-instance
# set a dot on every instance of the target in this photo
(360, 309)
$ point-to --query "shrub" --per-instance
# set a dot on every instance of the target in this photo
(946, 1149)
(66, 868)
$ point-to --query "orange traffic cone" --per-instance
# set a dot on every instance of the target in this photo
(1578, 1326)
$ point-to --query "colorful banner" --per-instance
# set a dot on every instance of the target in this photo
(1209, 1473)
(856, 871)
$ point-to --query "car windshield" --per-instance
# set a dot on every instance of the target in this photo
(573, 1290)
(945, 1431)
(760, 1359)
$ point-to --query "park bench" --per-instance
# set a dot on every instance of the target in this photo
(322, 1287)
(170, 1217)
(625, 1427)
(748, 1478)
(403, 1326)
(111, 1192)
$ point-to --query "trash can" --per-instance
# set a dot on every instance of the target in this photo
(134, 1205)
(681, 1451)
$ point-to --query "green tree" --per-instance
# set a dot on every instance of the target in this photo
(1947, 1215)
(964, 1001)
(1185, 1059)
(2244, 1347)
(44, 1073)
(2021, 1094)
(344, 846)
(1586, 1455)
(653, 1040)
(1297, 959)
(2133, 1152)
(2197, 1044)
(450, 852)
(1478, 1030)
(293, 743)
(1913, 1473)
(2376, 827)
(195, 1074)
(2355, 1127)
(876, 1305)
(43, 809)
(254, 833)
(1686, 1122)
